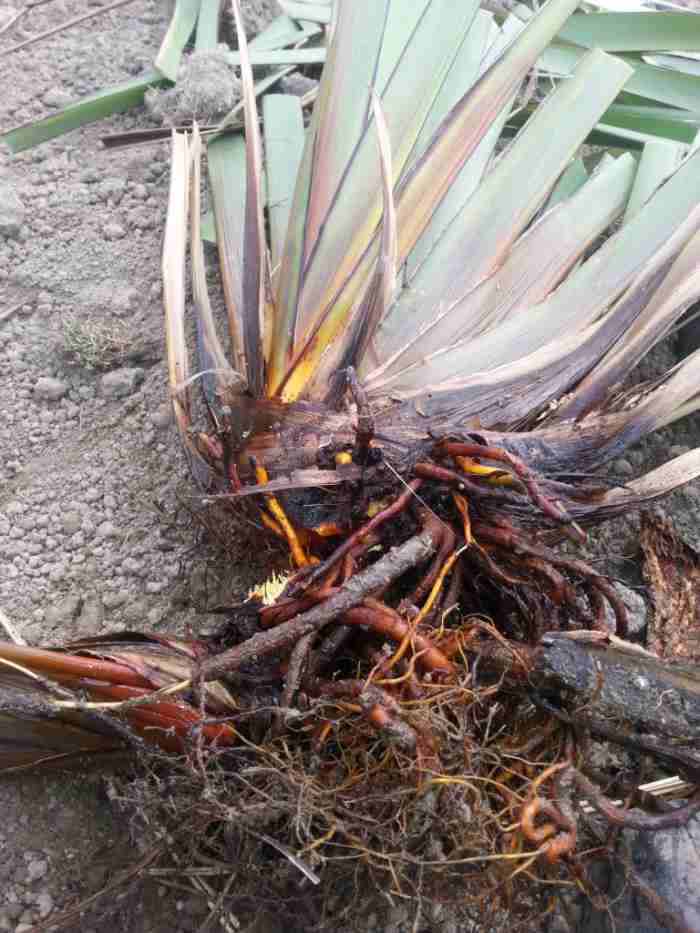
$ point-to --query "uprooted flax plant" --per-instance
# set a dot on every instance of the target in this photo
(430, 331)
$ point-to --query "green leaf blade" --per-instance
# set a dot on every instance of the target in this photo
(179, 31)
(630, 32)
(283, 126)
(95, 107)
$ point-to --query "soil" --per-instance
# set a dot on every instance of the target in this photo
(94, 490)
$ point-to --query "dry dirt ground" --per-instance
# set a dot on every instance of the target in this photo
(93, 535)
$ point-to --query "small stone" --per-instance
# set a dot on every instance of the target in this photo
(162, 417)
(142, 218)
(36, 869)
(92, 615)
(623, 468)
(49, 388)
(44, 904)
(92, 494)
(121, 382)
(114, 600)
(106, 530)
(63, 610)
(123, 299)
(12, 210)
(156, 615)
(56, 574)
(113, 231)
(678, 450)
(89, 176)
(133, 566)
(57, 98)
(112, 188)
(136, 611)
(71, 523)
(636, 607)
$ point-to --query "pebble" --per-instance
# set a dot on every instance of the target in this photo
(113, 231)
(106, 530)
(56, 574)
(133, 566)
(121, 382)
(623, 467)
(71, 522)
(12, 210)
(92, 615)
(155, 616)
(162, 417)
(114, 600)
(636, 610)
(36, 869)
(49, 388)
(44, 904)
(136, 611)
(63, 610)
(57, 98)
(123, 299)
(142, 218)
(112, 189)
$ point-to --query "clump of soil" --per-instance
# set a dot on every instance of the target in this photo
(207, 89)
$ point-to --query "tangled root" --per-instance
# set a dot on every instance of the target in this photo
(395, 734)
